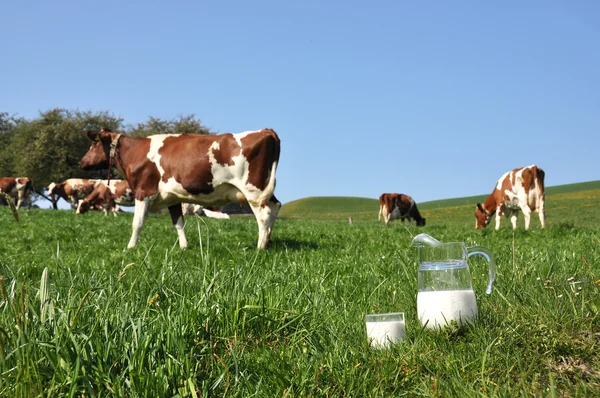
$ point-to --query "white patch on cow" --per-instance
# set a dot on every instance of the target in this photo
(51, 187)
(76, 183)
(238, 137)
(156, 142)
(501, 180)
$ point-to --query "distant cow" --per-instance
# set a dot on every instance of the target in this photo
(72, 190)
(211, 170)
(107, 197)
(190, 209)
(394, 206)
(18, 189)
(520, 189)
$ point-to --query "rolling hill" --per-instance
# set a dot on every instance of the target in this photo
(585, 195)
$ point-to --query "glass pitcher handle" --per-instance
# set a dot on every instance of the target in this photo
(485, 252)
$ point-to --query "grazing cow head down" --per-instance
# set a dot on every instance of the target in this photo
(83, 207)
(518, 191)
(482, 217)
(396, 206)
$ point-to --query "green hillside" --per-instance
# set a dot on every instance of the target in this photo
(587, 195)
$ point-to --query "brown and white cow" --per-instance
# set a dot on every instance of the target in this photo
(211, 170)
(520, 189)
(107, 196)
(18, 189)
(72, 190)
(394, 206)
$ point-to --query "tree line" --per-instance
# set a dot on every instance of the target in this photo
(48, 148)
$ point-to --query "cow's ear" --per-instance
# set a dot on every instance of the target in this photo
(93, 135)
(481, 208)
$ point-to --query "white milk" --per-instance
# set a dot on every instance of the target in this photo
(382, 333)
(437, 308)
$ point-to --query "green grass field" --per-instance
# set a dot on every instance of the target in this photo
(223, 319)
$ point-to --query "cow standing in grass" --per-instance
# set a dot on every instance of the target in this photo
(18, 189)
(211, 170)
(71, 190)
(519, 190)
(393, 206)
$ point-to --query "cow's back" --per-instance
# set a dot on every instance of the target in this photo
(7, 184)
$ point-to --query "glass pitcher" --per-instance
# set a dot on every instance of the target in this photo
(445, 291)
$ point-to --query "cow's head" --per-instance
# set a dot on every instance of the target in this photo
(482, 217)
(421, 222)
(52, 188)
(83, 207)
(98, 155)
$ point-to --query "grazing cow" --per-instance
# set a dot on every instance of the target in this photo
(520, 189)
(394, 206)
(72, 190)
(107, 197)
(17, 188)
(168, 169)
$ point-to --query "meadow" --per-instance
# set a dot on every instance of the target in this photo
(80, 315)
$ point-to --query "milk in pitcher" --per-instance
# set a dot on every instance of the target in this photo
(437, 309)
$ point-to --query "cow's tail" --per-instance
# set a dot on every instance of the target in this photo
(538, 177)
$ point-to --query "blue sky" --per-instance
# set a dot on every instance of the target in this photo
(431, 99)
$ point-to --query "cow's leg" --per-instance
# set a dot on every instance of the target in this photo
(19, 199)
(526, 216)
(177, 219)
(141, 208)
(265, 217)
(498, 217)
(542, 212)
(513, 218)
(380, 213)
(262, 214)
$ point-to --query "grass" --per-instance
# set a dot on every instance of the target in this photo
(222, 319)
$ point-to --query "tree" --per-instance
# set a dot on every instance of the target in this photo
(7, 126)
(187, 124)
(48, 149)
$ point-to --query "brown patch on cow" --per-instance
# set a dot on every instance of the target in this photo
(176, 211)
(132, 162)
(7, 184)
(263, 148)
(228, 148)
(481, 216)
(195, 148)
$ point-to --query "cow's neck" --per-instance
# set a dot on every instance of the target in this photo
(491, 203)
(124, 153)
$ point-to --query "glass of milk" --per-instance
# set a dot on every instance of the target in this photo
(385, 329)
